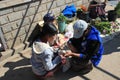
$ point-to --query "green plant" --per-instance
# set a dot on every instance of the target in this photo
(79, 13)
(61, 17)
(103, 27)
(79, 10)
(117, 9)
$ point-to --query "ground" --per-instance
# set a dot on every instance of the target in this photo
(18, 67)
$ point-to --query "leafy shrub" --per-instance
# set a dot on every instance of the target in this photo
(103, 27)
(61, 17)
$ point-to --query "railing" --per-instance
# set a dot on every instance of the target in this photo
(3, 45)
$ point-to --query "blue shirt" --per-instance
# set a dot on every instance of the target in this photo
(94, 35)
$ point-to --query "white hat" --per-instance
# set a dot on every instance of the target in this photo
(79, 27)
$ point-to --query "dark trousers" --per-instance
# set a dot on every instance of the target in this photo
(81, 65)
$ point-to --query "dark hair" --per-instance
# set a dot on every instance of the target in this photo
(49, 17)
(49, 29)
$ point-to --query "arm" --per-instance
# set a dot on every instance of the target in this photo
(91, 50)
(73, 51)
(50, 63)
(73, 54)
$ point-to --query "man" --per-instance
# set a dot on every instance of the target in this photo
(86, 47)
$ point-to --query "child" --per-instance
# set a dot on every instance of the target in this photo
(44, 62)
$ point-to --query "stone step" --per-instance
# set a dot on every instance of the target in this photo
(6, 54)
(26, 53)
(14, 51)
(21, 55)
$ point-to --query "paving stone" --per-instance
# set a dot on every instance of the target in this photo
(22, 37)
(15, 16)
(52, 6)
(42, 7)
(8, 36)
(6, 28)
(60, 2)
(13, 25)
(9, 43)
(3, 19)
(17, 42)
(68, 1)
(26, 21)
(19, 48)
(29, 11)
(5, 11)
(21, 31)
(78, 3)
(56, 10)
(44, 1)
(5, 54)
(34, 4)
(19, 8)
(62, 7)
(14, 33)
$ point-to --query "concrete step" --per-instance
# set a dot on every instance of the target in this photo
(16, 50)
(20, 58)
(10, 52)
(6, 54)
(21, 55)
(26, 53)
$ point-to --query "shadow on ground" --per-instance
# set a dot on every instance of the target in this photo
(21, 70)
(112, 46)
(69, 75)
(108, 73)
(18, 70)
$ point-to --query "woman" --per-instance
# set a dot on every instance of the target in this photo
(43, 60)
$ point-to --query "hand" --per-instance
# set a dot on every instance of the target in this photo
(72, 54)
(56, 44)
(63, 59)
(49, 74)
(68, 53)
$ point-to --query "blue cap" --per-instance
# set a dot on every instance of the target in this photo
(49, 17)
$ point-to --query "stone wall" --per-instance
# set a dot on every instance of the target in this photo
(18, 21)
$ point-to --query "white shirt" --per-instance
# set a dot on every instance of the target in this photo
(42, 58)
